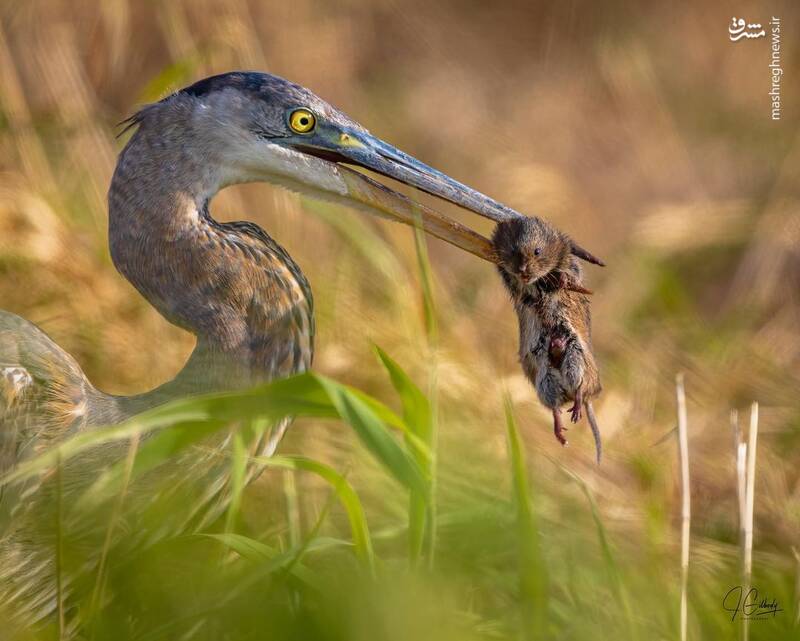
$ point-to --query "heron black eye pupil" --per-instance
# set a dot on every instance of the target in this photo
(303, 121)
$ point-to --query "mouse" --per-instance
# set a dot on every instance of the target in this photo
(539, 267)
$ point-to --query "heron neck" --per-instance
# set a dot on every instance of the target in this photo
(230, 284)
(157, 233)
(202, 373)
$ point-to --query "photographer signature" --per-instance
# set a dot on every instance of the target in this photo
(750, 607)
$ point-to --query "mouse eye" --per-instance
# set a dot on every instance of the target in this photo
(537, 251)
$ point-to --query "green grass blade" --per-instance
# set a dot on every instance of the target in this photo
(244, 546)
(416, 407)
(59, 549)
(345, 493)
(306, 394)
(375, 436)
(97, 593)
(238, 470)
(432, 336)
(302, 548)
(393, 420)
(426, 281)
(270, 559)
(417, 527)
(432, 508)
(612, 568)
(186, 422)
(418, 418)
(82, 442)
(533, 571)
(300, 395)
(152, 453)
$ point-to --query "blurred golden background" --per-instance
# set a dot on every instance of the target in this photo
(641, 130)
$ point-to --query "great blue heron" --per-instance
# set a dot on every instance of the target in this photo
(230, 284)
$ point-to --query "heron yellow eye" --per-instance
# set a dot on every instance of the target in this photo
(302, 121)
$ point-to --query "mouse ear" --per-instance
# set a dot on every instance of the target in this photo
(580, 252)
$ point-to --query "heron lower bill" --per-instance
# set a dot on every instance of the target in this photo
(385, 201)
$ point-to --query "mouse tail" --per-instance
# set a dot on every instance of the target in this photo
(595, 429)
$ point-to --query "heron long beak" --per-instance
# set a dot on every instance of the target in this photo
(363, 150)
(370, 152)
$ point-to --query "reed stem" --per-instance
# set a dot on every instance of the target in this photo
(747, 553)
(686, 516)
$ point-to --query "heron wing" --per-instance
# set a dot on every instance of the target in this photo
(43, 392)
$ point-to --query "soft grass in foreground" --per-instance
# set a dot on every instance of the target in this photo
(507, 566)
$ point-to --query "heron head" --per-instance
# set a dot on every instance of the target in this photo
(260, 127)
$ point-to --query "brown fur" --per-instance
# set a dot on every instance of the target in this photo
(554, 317)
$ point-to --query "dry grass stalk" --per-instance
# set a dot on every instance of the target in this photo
(740, 452)
(796, 587)
(747, 551)
(686, 516)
